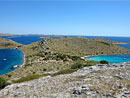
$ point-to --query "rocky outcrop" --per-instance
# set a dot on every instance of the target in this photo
(100, 81)
(43, 43)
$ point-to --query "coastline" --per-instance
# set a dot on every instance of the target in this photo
(121, 43)
(84, 57)
(19, 66)
(24, 60)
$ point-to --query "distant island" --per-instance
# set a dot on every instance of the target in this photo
(6, 34)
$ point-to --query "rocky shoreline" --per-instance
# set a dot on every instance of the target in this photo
(100, 81)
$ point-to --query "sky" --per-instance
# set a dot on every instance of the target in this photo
(66, 17)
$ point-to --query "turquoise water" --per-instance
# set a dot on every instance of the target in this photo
(15, 57)
(111, 58)
(9, 58)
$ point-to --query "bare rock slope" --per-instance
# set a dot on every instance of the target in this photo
(100, 81)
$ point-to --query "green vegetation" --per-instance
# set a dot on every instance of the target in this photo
(27, 65)
(77, 66)
(3, 83)
(39, 54)
(9, 75)
(75, 58)
(64, 71)
(29, 77)
(104, 62)
(106, 43)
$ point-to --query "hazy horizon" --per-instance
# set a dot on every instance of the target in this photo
(63, 35)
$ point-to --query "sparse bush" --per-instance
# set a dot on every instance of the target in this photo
(104, 62)
(44, 69)
(28, 65)
(48, 57)
(3, 83)
(61, 56)
(77, 66)
(9, 75)
(40, 55)
(64, 71)
(29, 77)
(34, 72)
(46, 53)
(19, 46)
(74, 58)
(88, 64)
(34, 47)
(7, 44)
(47, 48)
(105, 43)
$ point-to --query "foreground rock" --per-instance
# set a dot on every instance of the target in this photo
(100, 81)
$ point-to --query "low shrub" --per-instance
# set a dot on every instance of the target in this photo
(9, 75)
(29, 77)
(105, 43)
(40, 55)
(44, 69)
(61, 56)
(88, 64)
(64, 71)
(77, 66)
(3, 83)
(27, 65)
(34, 47)
(75, 58)
(104, 62)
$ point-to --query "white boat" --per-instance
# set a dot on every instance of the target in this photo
(124, 58)
(15, 66)
(4, 59)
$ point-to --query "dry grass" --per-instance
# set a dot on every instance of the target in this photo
(83, 47)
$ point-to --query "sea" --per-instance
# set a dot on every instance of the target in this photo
(27, 39)
(11, 57)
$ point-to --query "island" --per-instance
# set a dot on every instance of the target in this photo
(55, 59)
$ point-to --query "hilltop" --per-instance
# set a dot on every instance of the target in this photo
(83, 46)
(76, 46)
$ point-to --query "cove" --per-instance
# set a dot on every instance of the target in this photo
(111, 58)
(9, 58)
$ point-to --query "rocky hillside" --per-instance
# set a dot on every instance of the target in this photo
(51, 55)
(83, 46)
(100, 81)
